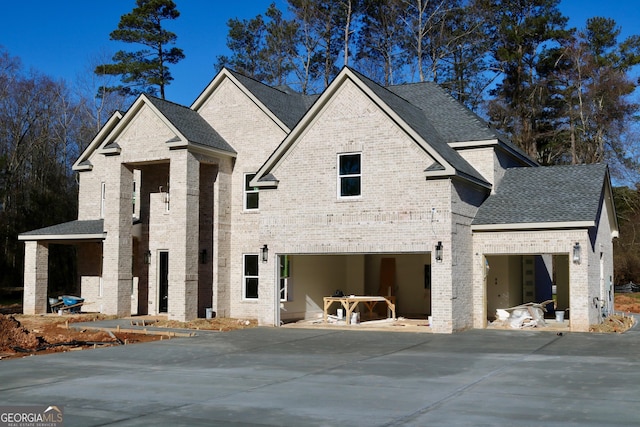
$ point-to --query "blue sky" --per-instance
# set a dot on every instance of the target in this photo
(60, 38)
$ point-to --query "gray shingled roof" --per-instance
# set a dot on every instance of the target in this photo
(545, 194)
(416, 118)
(86, 227)
(190, 124)
(453, 121)
(288, 105)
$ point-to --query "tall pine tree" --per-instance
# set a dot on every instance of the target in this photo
(145, 70)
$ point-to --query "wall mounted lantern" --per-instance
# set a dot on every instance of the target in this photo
(203, 256)
(264, 252)
(147, 257)
(439, 252)
(576, 253)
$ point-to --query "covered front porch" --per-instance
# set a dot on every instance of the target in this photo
(87, 236)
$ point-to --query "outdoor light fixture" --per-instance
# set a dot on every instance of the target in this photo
(439, 252)
(576, 253)
(147, 257)
(203, 256)
(265, 253)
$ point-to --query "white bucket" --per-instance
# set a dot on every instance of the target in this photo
(355, 318)
(560, 316)
(340, 313)
(430, 319)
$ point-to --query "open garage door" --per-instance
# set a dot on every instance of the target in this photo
(306, 279)
(512, 280)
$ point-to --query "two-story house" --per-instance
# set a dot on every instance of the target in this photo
(257, 201)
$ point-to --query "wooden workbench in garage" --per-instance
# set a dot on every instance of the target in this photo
(351, 302)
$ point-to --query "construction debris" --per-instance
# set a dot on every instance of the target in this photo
(529, 315)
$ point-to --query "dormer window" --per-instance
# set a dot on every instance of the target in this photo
(349, 175)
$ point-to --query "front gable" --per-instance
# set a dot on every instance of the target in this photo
(147, 135)
(83, 163)
(351, 123)
(440, 160)
(226, 91)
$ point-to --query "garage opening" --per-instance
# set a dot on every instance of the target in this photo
(306, 279)
(512, 280)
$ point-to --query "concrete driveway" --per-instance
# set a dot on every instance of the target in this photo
(306, 377)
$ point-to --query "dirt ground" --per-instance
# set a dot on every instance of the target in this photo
(24, 335)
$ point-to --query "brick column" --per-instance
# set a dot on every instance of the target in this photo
(222, 240)
(36, 271)
(118, 247)
(184, 190)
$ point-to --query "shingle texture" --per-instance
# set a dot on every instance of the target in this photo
(89, 227)
(545, 194)
(288, 105)
(190, 124)
(454, 122)
(416, 118)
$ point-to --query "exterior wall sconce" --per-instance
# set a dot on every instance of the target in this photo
(439, 252)
(147, 257)
(264, 253)
(576, 253)
(203, 256)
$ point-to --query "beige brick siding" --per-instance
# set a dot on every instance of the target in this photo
(36, 269)
(254, 135)
(399, 211)
(581, 292)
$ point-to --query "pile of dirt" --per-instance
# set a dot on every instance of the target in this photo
(14, 335)
(24, 335)
(614, 323)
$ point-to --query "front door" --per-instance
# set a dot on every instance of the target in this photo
(163, 287)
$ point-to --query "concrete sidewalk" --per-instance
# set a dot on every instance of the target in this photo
(307, 377)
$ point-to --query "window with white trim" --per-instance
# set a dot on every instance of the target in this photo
(103, 198)
(250, 276)
(285, 270)
(349, 175)
(251, 196)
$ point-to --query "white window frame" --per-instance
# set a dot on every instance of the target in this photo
(103, 198)
(137, 182)
(246, 277)
(283, 277)
(247, 191)
(340, 177)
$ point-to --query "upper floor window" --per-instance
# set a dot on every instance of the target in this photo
(349, 174)
(250, 193)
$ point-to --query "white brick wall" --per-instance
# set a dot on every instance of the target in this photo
(399, 211)
(581, 291)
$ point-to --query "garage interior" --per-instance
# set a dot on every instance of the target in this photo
(512, 280)
(306, 279)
